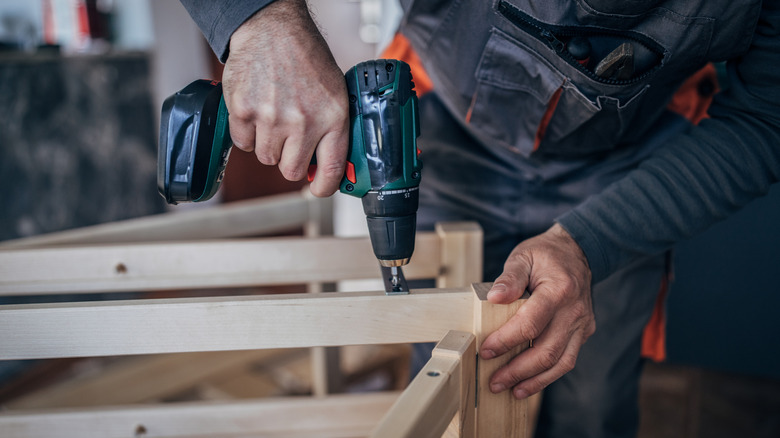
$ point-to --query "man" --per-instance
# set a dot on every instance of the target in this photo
(547, 123)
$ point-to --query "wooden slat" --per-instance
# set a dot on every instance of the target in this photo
(334, 416)
(245, 218)
(232, 323)
(246, 262)
(426, 407)
(143, 379)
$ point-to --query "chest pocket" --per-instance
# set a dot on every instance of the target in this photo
(537, 94)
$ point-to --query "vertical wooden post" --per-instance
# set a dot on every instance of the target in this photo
(325, 361)
(461, 254)
(461, 265)
(498, 415)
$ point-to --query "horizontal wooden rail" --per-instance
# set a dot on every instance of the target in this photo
(244, 218)
(235, 323)
(224, 263)
(328, 417)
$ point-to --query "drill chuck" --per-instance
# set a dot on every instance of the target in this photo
(391, 216)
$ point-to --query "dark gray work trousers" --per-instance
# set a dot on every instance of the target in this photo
(463, 180)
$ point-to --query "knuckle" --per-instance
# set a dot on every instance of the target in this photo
(500, 340)
(579, 310)
(241, 109)
(292, 173)
(535, 384)
(514, 375)
(294, 119)
(267, 115)
(590, 329)
(547, 358)
(527, 329)
(567, 362)
(266, 157)
(246, 147)
(516, 258)
(331, 171)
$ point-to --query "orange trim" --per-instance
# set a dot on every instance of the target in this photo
(689, 101)
(542, 129)
(654, 335)
(400, 48)
(471, 108)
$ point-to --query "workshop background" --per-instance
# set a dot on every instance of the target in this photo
(81, 85)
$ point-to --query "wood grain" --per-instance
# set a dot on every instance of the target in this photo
(230, 323)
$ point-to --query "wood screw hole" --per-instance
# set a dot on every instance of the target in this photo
(140, 430)
(121, 268)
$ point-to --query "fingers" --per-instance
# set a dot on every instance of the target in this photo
(558, 316)
(553, 354)
(331, 160)
(527, 324)
(286, 95)
(288, 137)
(530, 372)
(242, 127)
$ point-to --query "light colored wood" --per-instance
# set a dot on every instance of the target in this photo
(461, 254)
(245, 383)
(498, 415)
(326, 375)
(244, 218)
(426, 407)
(246, 262)
(230, 323)
(331, 417)
(142, 379)
(463, 424)
(240, 323)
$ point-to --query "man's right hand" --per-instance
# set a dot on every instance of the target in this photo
(286, 96)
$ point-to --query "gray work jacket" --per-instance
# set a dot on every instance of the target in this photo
(499, 65)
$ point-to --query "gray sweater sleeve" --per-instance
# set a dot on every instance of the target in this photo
(698, 178)
(219, 19)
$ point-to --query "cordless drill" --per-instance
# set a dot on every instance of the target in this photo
(383, 167)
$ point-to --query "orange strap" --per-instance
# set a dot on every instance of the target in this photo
(400, 48)
(693, 98)
(654, 335)
(551, 105)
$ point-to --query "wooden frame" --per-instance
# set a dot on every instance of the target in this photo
(454, 315)
(445, 387)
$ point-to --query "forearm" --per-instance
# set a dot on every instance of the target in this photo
(697, 178)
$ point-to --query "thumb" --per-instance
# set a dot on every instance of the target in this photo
(512, 283)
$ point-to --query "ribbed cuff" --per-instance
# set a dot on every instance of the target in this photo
(583, 234)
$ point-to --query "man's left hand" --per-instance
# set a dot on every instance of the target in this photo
(558, 317)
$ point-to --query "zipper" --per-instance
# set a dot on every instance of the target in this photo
(551, 35)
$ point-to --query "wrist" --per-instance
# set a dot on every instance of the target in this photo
(568, 243)
(273, 21)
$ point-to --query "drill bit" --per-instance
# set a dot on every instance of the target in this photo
(395, 283)
(394, 280)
